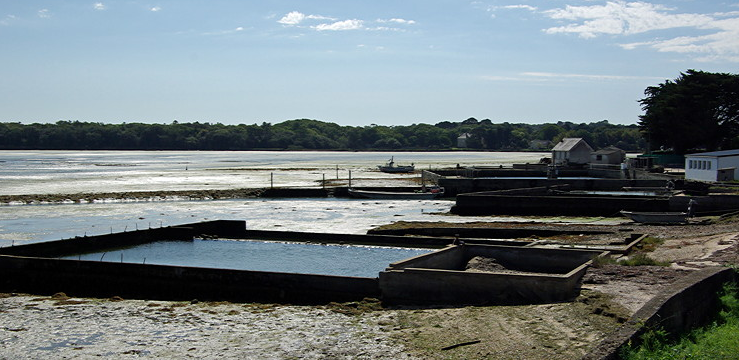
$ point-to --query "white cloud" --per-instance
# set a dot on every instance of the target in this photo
(352, 24)
(622, 18)
(98, 6)
(292, 18)
(44, 13)
(155, 9)
(520, 6)
(397, 21)
(296, 17)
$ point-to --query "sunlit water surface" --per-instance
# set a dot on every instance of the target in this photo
(342, 260)
(48, 172)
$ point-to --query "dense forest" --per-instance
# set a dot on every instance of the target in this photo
(304, 134)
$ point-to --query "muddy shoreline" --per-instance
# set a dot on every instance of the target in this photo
(212, 194)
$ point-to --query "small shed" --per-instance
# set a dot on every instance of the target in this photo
(609, 155)
(712, 166)
(571, 151)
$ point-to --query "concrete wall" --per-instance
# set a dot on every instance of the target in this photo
(437, 278)
(541, 260)
(706, 205)
(528, 259)
(456, 186)
(450, 258)
(488, 233)
(86, 244)
(689, 302)
(487, 204)
(446, 287)
(106, 279)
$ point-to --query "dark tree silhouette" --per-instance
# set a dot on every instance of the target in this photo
(698, 110)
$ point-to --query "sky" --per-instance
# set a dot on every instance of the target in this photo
(352, 62)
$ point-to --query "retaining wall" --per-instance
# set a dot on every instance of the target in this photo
(490, 204)
(490, 233)
(706, 205)
(139, 281)
(372, 239)
(455, 186)
(87, 244)
(690, 302)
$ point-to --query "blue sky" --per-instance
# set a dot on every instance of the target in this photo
(352, 62)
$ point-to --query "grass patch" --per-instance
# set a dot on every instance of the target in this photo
(635, 259)
(600, 261)
(639, 258)
(715, 341)
(649, 244)
(356, 307)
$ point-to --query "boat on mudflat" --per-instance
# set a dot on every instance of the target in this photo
(656, 217)
(390, 167)
(397, 195)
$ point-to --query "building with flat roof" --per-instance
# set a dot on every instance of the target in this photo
(712, 166)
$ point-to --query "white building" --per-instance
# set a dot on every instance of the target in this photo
(609, 155)
(712, 166)
(571, 151)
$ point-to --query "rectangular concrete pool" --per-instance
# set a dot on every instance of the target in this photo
(290, 257)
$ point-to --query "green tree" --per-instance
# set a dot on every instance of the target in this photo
(696, 110)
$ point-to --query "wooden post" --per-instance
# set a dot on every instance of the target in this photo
(271, 180)
(323, 182)
(350, 178)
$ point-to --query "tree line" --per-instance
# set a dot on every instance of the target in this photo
(306, 134)
(697, 111)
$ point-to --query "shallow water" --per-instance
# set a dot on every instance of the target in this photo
(64, 172)
(27, 172)
(342, 260)
(34, 223)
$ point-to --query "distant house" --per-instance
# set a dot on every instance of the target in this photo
(571, 151)
(609, 155)
(712, 166)
(462, 140)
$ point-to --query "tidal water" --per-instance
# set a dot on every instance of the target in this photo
(61, 172)
(64, 172)
(342, 260)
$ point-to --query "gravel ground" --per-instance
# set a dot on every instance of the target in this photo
(60, 327)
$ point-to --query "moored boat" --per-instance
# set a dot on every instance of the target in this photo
(656, 217)
(390, 167)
